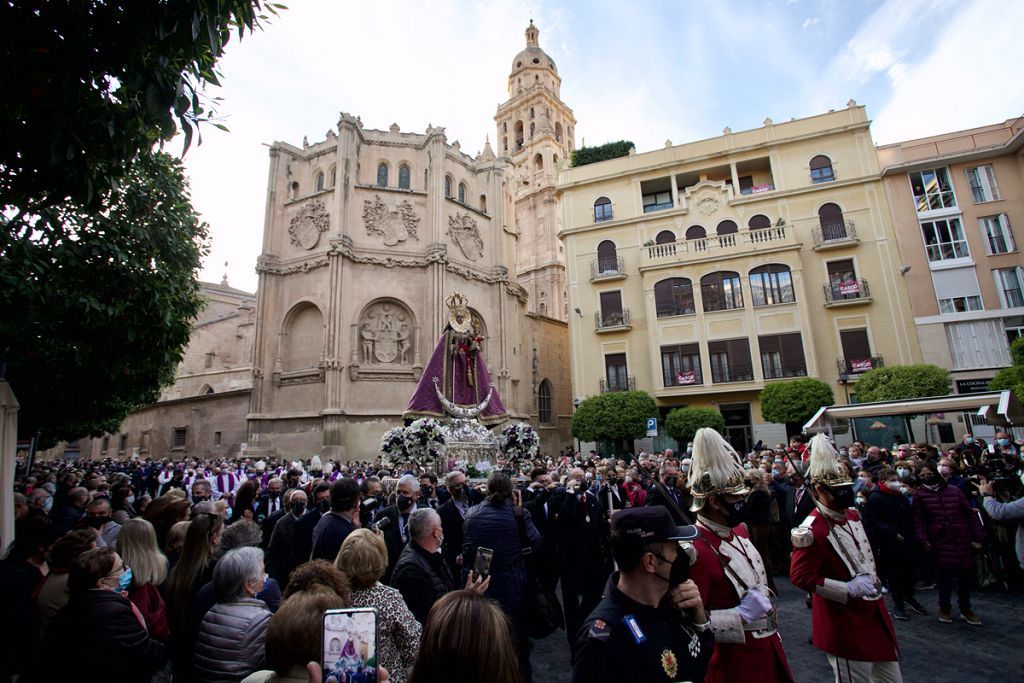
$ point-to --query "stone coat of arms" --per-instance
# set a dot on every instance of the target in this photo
(394, 226)
(384, 336)
(306, 226)
(465, 233)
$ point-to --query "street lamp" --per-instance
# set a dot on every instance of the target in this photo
(576, 404)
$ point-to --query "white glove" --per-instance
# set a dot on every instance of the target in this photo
(861, 586)
(753, 606)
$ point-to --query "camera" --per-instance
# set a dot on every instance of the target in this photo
(381, 524)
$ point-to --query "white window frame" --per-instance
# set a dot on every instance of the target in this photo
(961, 304)
(956, 245)
(1016, 272)
(997, 226)
(982, 179)
(928, 209)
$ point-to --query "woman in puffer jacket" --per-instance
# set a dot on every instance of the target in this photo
(949, 528)
(232, 635)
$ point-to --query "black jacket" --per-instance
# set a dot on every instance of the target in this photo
(99, 638)
(655, 497)
(302, 538)
(887, 514)
(422, 578)
(330, 532)
(392, 539)
(453, 525)
(543, 509)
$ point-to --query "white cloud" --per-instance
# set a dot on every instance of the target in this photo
(810, 22)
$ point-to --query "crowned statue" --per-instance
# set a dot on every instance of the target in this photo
(456, 387)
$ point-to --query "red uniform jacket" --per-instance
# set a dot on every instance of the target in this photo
(861, 629)
(759, 660)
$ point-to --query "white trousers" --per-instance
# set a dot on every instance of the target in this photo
(853, 671)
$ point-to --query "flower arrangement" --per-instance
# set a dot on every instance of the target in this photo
(519, 441)
(393, 445)
(424, 439)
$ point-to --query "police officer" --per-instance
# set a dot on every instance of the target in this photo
(651, 624)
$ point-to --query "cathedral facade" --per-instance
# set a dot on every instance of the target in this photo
(368, 232)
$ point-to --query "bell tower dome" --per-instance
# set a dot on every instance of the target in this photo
(535, 132)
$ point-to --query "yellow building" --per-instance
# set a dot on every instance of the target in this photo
(701, 272)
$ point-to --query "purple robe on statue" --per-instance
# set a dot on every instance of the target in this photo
(451, 369)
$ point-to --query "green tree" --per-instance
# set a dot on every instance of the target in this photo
(89, 85)
(96, 307)
(618, 416)
(682, 423)
(1012, 377)
(591, 155)
(901, 382)
(794, 402)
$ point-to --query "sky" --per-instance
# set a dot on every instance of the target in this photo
(644, 71)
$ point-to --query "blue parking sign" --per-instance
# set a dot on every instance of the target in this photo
(652, 426)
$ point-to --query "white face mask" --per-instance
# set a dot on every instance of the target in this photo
(893, 485)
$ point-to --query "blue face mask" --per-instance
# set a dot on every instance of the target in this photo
(969, 439)
(1003, 442)
(125, 580)
(48, 505)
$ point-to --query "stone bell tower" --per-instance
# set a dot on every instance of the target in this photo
(535, 131)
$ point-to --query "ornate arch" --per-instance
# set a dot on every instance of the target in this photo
(385, 342)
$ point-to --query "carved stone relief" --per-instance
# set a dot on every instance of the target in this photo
(386, 335)
(464, 232)
(707, 205)
(306, 226)
(394, 226)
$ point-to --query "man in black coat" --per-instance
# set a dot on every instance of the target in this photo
(453, 516)
(612, 489)
(335, 526)
(396, 533)
(669, 476)
(421, 575)
(543, 506)
(270, 501)
(279, 547)
(302, 531)
(799, 502)
(583, 559)
(271, 520)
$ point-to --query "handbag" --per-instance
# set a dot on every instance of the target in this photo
(542, 611)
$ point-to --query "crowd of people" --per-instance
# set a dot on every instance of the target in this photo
(219, 570)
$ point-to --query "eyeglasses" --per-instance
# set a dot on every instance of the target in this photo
(119, 571)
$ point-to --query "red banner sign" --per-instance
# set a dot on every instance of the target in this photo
(686, 377)
(860, 364)
(849, 288)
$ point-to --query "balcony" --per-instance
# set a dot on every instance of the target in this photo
(743, 243)
(831, 235)
(857, 366)
(615, 321)
(618, 384)
(783, 372)
(846, 293)
(758, 189)
(732, 373)
(613, 268)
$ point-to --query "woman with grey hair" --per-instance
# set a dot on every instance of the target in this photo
(231, 637)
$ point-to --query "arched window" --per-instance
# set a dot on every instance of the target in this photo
(696, 232)
(602, 209)
(607, 257)
(293, 190)
(833, 227)
(533, 127)
(206, 390)
(674, 296)
(333, 176)
(504, 143)
(531, 112)
(382, 174)
(727, 227)
(462, 193)
(483, 203)
(759, 222)
(447, 186)
(665, 237)
(519, 135)
(544, 402)
(771, 284)
(319, 182)
(558, 131)
(721, 291)
(821, 169)
(403, 177)
(538, 162)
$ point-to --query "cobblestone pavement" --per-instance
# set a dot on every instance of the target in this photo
(933, 652)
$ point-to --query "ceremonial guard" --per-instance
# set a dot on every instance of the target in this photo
(729, 570)
(832, 560)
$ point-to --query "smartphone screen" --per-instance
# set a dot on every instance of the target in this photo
(482, 565)
(350, 645)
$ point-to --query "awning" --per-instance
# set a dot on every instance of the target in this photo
(999, 408)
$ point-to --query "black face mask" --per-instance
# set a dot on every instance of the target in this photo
(736, 513)
(199, 499)
(842, 497)
(457, 491)
(427, 490)
(96, 522)
(324, 506)
(680, 570)
(275, 494)
(298, 509)
(404, 503)
(671, 481)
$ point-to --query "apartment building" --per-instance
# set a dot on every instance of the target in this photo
(701, 272)
(957, 203)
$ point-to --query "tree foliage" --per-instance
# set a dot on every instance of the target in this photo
(794, 401)
(682, 423)
(613, 416)
(610, 150)
(89, 85)
(1012, 377)
(96, 306)
(901, 382)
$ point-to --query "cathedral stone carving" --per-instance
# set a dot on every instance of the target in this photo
(386, 335)
(464, 232)
(394, 226)
(307, 225)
